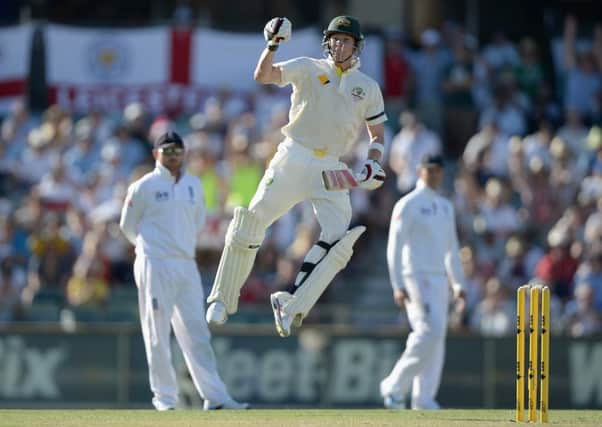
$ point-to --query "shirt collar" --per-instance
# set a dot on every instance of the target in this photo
(421, 185)
(164, 172)
(354, 67)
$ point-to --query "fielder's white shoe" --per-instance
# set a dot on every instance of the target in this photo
(216, 314)
(429, 405)
(228, 404)
(391, 402)
(281, 318)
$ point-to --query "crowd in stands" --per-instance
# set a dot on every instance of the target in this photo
(524, 149)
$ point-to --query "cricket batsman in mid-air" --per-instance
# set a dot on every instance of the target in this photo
(330, 102)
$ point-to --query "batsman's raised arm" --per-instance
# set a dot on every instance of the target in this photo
(277, 30)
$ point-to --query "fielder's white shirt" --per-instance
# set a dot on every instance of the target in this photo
(163, 217)
(423, 239)
(327, 111)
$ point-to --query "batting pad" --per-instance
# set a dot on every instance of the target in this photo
(243, 238)
(337, 258)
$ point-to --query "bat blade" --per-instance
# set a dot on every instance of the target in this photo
(338, 179)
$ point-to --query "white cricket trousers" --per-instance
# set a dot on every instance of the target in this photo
(295, 175)
(170, 292)
(420, 365)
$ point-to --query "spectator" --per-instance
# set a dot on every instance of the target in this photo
(398, 77)
(501, 52)
(408, 147)
(428, 65)
(590, 272)
(505, 112)
(495, 314)
(88, 284)
(529, 70)
(581, 317)
(457, 86)
(583, 81)
(557, 267)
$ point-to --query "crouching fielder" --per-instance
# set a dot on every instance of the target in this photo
(330, 102)
(421, 253)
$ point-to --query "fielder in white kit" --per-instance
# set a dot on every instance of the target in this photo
(162, 216)
(331, 101)
(423, 258)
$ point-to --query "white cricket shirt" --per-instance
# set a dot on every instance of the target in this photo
(423, 239)
(163, 217)
(327, 111)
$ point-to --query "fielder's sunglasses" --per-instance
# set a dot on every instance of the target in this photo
(171, 151)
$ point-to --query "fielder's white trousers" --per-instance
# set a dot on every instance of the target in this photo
(170, 292)
(295, 175)
(420, 365)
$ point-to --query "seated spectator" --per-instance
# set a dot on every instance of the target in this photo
(486, 153)
(474, 283)
(509, 117)
(574, 132)
(592, 232)
(501, 52)
(12, 282)
(540, 200)
(56, 189)
(581, 317)
(408, 147)
(557, 267)
(466, 199)
(537, 144)
(590, 272)
(495, 314)
(52, 257)
(499, 215)
(513, 269)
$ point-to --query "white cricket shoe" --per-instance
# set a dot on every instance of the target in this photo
(216, 314)
(391, 402)
(428, 405)
(228, 404)
(281, 318)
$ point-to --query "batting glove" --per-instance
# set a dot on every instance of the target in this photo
(371, 176)
(277, 30)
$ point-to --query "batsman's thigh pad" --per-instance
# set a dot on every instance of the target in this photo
(321, 276)
(243, 238)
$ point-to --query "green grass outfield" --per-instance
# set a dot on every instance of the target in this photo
(283, 418)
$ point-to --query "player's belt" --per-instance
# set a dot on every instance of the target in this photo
(320, 152)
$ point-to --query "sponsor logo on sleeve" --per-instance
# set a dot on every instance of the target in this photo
(324, 79)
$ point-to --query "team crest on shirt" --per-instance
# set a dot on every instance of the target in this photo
(161, 196)
(358, 93)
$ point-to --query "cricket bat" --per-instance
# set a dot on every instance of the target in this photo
(339, 179)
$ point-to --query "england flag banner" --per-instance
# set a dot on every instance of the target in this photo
(108, 68)
(15, 51)
(228, 60)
